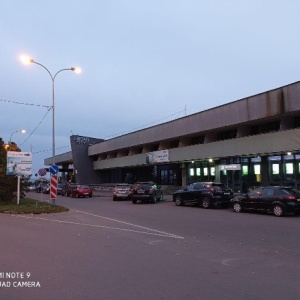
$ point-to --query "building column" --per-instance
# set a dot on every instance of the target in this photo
(183, 174)
(264, 171)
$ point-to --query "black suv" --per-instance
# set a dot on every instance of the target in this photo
(276, 199)
(146, 192)
(205, 194)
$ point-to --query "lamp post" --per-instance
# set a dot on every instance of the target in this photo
(28, 60)
(22, 131)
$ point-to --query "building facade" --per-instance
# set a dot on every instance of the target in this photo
(249, 142)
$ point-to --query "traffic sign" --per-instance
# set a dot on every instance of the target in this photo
(42, 172)
(54, 169)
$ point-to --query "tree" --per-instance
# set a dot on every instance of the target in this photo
(8, 184)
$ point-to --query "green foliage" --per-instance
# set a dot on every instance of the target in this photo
(8, 184)
(30, 206)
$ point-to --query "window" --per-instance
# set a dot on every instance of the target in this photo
(289, 168)
(226, 135)
(195, 140)
(257, 169)
(198, 186)
(245, 170)
(275, 169)
(268, 192)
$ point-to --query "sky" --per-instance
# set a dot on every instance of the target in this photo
(143, 63)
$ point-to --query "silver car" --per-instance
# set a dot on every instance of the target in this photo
(122, 191)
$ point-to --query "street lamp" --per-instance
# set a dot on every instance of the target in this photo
(28, 60)
(22, 131)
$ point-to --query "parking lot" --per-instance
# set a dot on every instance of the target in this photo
(104, 249)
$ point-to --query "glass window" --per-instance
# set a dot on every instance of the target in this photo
(256, 159)
(268, 192)
(192, 172)
(275, 169)
(289, 168)
(257, 169)
(212, 171)
(198, 171)
(245, 170)
(205, 171)
(198, 186)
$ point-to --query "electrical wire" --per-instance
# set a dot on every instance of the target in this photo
(23, 103)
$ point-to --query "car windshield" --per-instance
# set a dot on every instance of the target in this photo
(83, 187)
(143, 186)
(122, 186)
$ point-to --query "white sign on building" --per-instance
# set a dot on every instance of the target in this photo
(19, 163)
(157, 157)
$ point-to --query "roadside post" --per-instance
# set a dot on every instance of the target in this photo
(53, 183)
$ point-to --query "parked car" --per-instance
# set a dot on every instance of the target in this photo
(82, 191)
(146, 192)
(276, 199)
(59, 189)
(31, 188)
(205, 194)
(122, 191)
(46, 189)
(68, 188)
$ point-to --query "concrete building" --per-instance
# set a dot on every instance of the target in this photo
(249, 142)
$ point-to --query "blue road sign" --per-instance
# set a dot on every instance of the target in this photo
(54, 170)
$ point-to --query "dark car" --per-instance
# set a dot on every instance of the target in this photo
(122, 191)
(82, 191)
(146, 192)
(276, 199)
(205, 194)
(59, 189)
(46, 189)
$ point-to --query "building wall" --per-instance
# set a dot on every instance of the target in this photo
(281, 141)
(250, 110)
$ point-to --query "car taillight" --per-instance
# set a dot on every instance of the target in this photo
(151, 191)
(290, 197)
(214, 191)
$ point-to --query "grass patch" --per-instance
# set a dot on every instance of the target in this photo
(30, 206)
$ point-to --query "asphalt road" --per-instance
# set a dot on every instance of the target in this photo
(109, 250)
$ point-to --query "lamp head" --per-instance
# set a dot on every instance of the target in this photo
(77, 70)
(26, 60)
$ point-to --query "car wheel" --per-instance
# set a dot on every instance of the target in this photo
(278, 210)
(205, 202)
(72, 195)
(154, 199)
(134, 201)
(161, 198)
(114, 198)
(178, 201)
(237, 207)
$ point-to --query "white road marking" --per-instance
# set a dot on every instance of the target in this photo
(130, 224)
(151, 231)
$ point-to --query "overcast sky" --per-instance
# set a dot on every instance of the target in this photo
(143, 62)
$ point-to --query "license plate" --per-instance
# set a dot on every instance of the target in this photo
(226, 193)
(141, 192)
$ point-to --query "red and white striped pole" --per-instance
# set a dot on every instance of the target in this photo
(53, 188)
